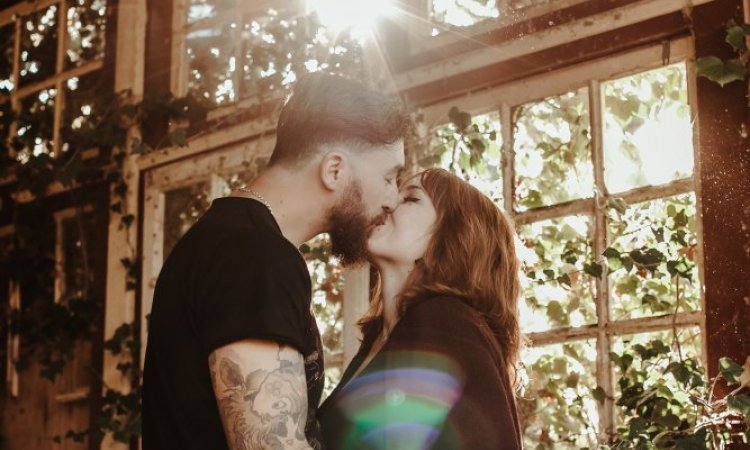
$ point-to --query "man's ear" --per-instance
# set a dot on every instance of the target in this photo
(332, 170)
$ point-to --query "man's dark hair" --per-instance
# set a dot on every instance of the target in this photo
(326, 108)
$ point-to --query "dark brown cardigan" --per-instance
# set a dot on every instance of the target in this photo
(436, 384)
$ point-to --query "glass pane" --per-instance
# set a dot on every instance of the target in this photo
(210, 52)
(477, 162)
(657, 248)
(648, 139)
(463, 13)
(77, 270)
(557, 409)
(261, 56)
(277, 48)
(87, 20)
(39, 45)
(182, 208)
(328, 292)
(81, 94)
(35, 124)
(552, 144)
(655, 378)
(7, 37)
(6, 119)
(206, 9)
(556, 291)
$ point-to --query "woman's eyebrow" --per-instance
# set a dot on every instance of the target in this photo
(412, 187)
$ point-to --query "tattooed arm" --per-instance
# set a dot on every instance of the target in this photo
(261, 391)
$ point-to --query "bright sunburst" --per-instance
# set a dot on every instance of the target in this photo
(358, 16)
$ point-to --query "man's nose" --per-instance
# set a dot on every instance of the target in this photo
(391, 203)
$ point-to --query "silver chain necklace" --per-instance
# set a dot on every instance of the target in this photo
(257, 196)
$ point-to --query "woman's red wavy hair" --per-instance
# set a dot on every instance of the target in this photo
(471, 256)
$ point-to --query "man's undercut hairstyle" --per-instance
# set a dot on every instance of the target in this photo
(326, 108)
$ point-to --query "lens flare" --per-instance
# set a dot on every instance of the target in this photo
(404, 407)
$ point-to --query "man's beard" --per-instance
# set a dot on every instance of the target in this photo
(349, 227)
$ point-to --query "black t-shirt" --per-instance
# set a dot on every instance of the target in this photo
(233, 276)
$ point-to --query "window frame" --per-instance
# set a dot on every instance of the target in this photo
(591, 75)
(180, 67)
(15, 16)
(424, 41)
(14, 341)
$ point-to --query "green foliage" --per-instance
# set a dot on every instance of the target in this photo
(724, 72)
(668, 404)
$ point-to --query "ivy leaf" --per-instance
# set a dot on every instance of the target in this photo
(477, 145)
(178, 137)
(555, 312)
(736, 38)
(649, 258)
(694, 442)
(670, 421)
(722, 72)
(599, 394)
(730, 370)
(594, 269)
(739, 403)
(460, 119)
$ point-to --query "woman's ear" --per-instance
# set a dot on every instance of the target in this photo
(332, 168)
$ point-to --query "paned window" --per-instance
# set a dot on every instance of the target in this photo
(599, 180)
(50, 59)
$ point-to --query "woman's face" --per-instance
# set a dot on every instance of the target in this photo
(404, 236)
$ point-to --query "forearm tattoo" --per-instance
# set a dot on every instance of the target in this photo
(263, 409)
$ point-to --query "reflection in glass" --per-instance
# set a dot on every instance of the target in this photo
(557, 409)
(35, 124)
(327, 276)
(182, 208)
(463, 13)
(552, 145)
(648, 138)
(652, 286)
(477, 163)
(556, 291)
(87, 20)
(7, 35)
(77, 269)
(80, 112)
(39, 34)
(210, 53)
(205, 9)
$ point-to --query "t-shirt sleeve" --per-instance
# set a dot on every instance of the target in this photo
(254, 288)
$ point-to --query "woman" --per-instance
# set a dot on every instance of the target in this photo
(441, 340)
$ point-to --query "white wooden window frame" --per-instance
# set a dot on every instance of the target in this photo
(14, 340)
(16, 15)
(503, 99)
(423, 40)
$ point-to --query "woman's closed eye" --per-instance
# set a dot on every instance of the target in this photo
(410, 199)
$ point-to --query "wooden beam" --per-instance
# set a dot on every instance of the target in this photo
(723, 162)
(428, 86)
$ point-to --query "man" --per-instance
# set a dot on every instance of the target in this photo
(234, 358)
